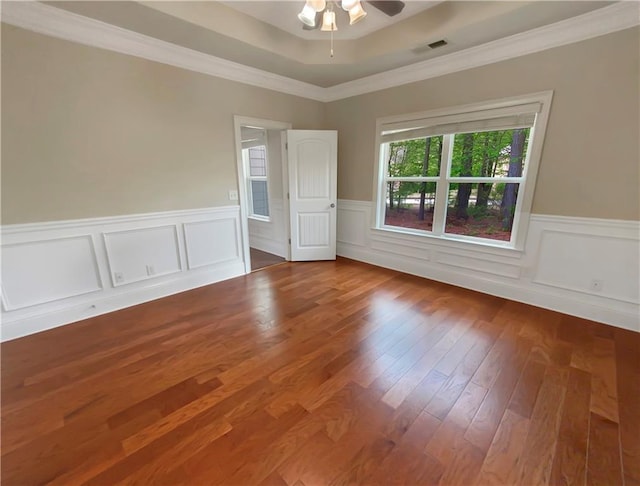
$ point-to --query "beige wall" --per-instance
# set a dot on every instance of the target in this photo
(88, 132)
(590, 163)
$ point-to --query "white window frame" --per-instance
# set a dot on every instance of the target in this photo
(461, 114)
(249, 178)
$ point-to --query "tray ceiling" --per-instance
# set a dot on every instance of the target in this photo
(225, 30)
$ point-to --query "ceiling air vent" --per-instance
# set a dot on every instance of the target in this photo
(436, 44)
(428, 47)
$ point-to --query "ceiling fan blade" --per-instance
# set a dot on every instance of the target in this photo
(389, 7)
(318, 22)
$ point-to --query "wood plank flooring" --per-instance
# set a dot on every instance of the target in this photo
(261, 259)
(323, 373)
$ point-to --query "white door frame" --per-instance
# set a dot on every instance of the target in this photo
(239, 121)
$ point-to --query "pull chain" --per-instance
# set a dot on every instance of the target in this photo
(332, 41)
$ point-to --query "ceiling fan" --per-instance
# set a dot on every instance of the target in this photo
(321, 13)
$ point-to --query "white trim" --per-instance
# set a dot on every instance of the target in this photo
(56, 22)
(586, 307)
(621, 224)
(9, 229)
(238, 122)
(269, 245)
(508, 273)
(63, 24)
(442, 188)
(6, 301)
(49, 309)
(540, 101)
(185, 229)
(536, 279)
(265, 178)
(257, 217)
(448, 241)
(619, 16)
(105, 303)
(109, 252)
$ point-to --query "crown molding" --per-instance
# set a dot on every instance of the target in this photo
(613, 18)
(66, 25)
(62, 24)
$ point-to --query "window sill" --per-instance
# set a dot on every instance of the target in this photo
(262, 219)
(418, 239)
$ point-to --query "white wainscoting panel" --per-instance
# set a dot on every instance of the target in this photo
(611, 262)
(562, 258)
(353, 222)
(479, 264)
(211, 242)
(140, 254)
(391, 247)
(36, 272)
(271, 236)
(60, 272)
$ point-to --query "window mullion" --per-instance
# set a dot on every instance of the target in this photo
(382, 186)
(515, 235)
(440, 208)
(250, 196)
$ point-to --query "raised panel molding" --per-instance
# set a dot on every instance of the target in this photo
(143, 253)
(613, 262)
(56, 22)
(37, 272)
(211, 242)
(402, 250)
(478, 264)
(88, 292)
(56, 273)
(351, 227)
(562, 256)
(271, 236)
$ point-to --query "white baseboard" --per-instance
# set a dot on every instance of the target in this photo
(266, 244)
(60, 272)
(562, 255)
(104, 303)
(270, 236)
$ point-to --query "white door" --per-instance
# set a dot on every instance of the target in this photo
(313, 165)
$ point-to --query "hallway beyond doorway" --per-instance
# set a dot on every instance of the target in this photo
(261, 259)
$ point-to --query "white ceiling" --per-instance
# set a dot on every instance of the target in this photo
(283, 15)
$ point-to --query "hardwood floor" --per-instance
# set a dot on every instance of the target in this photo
(261, 259)
(323, 373)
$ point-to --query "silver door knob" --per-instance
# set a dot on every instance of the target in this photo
(333, 205)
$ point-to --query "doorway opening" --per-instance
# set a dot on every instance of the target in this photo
(262, 180)
(262, 259)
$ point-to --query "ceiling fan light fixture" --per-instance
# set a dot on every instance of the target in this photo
(329, 21)
(308, 15)
(349, 4)
(317, 5)
(356, 13)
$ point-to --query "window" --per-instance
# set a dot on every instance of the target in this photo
(255, 159)
(463, 174)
